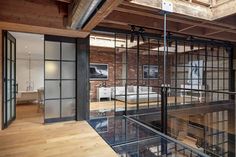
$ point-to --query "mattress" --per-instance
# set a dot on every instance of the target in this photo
(153, 97)
(26, 96)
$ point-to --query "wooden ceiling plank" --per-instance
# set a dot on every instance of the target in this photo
(204, 24)
(64, 1)
(213, 32)
(197, 33)
(41, 13)
(223, 10)
(186, 28)
(180, 7)
(135, 19)
(103, 12)
(179, 17)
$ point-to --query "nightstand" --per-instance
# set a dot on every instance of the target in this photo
(104, 92)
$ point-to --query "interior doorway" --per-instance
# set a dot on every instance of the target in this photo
(39, 78)
(27, 77)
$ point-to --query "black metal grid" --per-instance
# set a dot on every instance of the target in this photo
(214, 85)
(9, 77)
(60, 40)
(211, 60)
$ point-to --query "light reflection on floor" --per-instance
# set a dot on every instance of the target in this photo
(130, 139)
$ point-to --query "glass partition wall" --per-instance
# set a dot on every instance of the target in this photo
(9, 77)
(60, 79)
(200, 106)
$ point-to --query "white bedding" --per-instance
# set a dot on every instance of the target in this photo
(143, 97)
(26, 96)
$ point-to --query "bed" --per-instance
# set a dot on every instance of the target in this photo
(119, 94)
(26, 96)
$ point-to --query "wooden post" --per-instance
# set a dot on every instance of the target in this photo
(83, 86)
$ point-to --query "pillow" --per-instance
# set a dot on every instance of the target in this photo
(130, 89)
(143, 89)
(120, 90)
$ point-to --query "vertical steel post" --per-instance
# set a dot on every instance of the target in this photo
(164, 80)
(164, 87)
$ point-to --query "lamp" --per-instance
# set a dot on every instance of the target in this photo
(132, 33)
(141, 31)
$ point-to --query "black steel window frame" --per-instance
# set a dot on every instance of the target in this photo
(221, 73)
(224, 57)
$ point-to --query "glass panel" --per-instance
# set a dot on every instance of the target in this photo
(52, 70)
(68, 70)
(4, 113)
(13, 70)
(52, 89)
(68, 51)
(52, 109)
(13, 51)
(13, 89)
(68, 108)
(8, 49)
(8, 110)
(8, 69)
(52, 50)
(13, 108)
(68, 89)
(8, 90)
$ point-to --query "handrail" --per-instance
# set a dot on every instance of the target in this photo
(169, 138)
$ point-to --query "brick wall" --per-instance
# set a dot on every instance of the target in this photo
(102, 58)
(108, 58)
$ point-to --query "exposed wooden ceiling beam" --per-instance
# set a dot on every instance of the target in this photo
(77, 11)
(213, 32)
(190, 23)
(103, 12)
(186, 28)
(42, 30)
(135, 19)
(117, 17)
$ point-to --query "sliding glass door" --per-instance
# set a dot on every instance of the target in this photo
(60, 78)
(9, 76)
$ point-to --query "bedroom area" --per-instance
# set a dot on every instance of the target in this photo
(120, 79)
(127, 78)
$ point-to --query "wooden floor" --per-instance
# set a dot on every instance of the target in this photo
(28, 137)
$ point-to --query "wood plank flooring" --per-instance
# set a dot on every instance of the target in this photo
(28, 137)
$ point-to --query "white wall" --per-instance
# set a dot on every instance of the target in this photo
(29, 46)
(22, 73)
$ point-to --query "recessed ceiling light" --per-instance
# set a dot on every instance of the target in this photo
(26, 46)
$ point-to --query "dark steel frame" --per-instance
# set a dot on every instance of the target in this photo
(195, 44)
(6, 36)
(60, 40)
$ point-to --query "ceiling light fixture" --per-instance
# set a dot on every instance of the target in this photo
(132, 33)
(141, 33)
